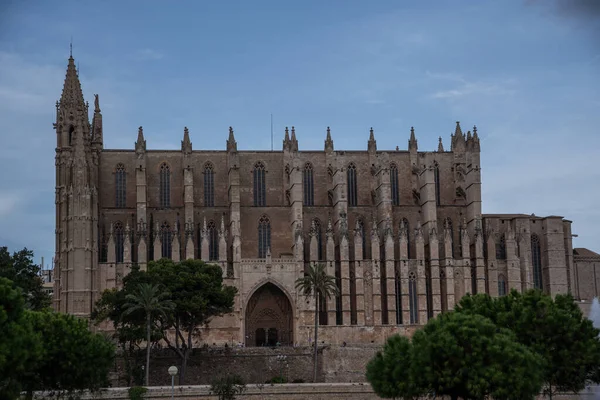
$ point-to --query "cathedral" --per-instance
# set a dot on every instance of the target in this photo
(401, 231)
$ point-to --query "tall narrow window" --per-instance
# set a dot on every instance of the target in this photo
(448, 222)
(536, 261)
(308, 185)
(264, 236)
(259, 185)
(209, 185)
(165, 186)
(412, 298)
(119, 235)
(213, 241)
(166, 236)
(501, 285)
(120, 186)
(501, 248)
(398, 287)
(407, 237)
(394, 184)
(352, 185)
(319, 237)
(361, 226)
(436, 175)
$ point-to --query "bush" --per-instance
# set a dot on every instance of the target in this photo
(137, 392)
(277, 379)
(228, 388)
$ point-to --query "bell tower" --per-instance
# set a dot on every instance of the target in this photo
(76, 162)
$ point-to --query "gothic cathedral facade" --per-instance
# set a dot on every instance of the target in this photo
(402, 231)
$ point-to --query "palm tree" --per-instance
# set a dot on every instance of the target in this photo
(152, 301)
(317, 283)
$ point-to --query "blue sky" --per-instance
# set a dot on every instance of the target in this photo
(526, 72)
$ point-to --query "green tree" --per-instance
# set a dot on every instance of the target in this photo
(130, 328)
(553, 328)
(317, 283)
(467, 356)
(228, 388)
(20, 346)
(154, 304)
(199, 295)
(25, 274)
(389, 372)
(73, 358)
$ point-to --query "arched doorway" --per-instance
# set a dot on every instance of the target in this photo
(269, 318)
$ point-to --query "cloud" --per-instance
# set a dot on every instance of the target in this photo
(8, 203)
(147, 55)
(467, 88)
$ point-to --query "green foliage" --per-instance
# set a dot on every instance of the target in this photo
(277, 379)
(73, 358)
(456, 355)
(198, 293)
(553, 328)
(317, 283)
(20, 346)
(154, 303)
(467, 356)
(136, 392)
(389, 372)
(194, 288)
(25, 274)
(228, 388)
(130, 329)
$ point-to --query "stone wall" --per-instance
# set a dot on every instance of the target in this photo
(260, 364)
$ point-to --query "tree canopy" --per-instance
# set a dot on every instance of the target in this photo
(195, 288)
(20, 269)
(553, 328)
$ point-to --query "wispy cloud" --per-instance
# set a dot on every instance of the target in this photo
(8, 203)
(147, 55)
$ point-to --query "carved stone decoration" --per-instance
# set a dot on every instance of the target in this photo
(343, 225)
(416, 196)
(269, 317)
(460, 193)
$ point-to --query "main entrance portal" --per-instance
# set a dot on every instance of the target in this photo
(269, 318)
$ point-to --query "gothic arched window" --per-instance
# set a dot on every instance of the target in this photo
(213, 241)
(407, 237)
(536, 262)
(165, 186)
(319, 236)
(119, 235)
(501, 248)
(308, 185)
(259, 185)
(394, 184)
(209, 185)
(120, 186)
(264, 236)
(436, 176)
(352, 185)
(412, 298)
(501, 285)
(166, 236)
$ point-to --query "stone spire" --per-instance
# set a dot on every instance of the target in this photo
(458, 139)
(231, 143)
(412, 142)
(186, 144)
(372, 145)
(286, 139)
(328, 142)
(440, 146)
(293, 141)
(72, 94)
(476, 145)
(97, 135)
(140, 144)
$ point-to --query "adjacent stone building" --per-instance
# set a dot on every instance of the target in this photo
(402, 230)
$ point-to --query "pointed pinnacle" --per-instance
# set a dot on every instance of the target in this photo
(458, 131)
(140, 134)
(440, 145)
(287, 134)
(371, 134)
(293, 133)
(328, 133)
